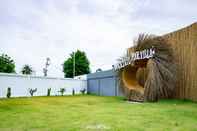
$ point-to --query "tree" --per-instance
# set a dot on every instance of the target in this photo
(45, 70)
(27, 70)
(7, 65)
(76, 64)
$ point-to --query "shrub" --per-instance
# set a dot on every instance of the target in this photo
(27, 70)
(62, 90)
(32, 91)
(83, 91)
(48, 91)
(73, 92)
(8, 92)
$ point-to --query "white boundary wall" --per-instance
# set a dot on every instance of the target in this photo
(20, 85)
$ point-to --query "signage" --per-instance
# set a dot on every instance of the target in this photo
(138, 55)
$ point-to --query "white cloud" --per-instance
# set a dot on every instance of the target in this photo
(33, 30)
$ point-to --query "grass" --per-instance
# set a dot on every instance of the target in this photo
(73, 113)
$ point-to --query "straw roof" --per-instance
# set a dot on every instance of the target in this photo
(158, 77)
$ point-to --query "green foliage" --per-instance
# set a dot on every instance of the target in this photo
(27, 70)
(81, 64)
(8, 92)
(62, 90)
(32, 91)
(48, 91)
(7, 65)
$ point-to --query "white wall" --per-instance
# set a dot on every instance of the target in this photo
(20, 85)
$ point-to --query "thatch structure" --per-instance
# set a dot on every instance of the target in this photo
(170, 73)
(152, 78)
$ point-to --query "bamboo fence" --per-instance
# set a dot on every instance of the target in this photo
(184, 44)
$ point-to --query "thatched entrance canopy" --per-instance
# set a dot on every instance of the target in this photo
(151, 77)
(170, 72)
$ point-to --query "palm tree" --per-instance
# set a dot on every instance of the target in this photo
(27, 70)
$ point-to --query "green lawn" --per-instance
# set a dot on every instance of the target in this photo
(70, 113)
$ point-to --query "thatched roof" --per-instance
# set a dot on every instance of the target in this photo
(159, 71)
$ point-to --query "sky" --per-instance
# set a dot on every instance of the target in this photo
(31, 30)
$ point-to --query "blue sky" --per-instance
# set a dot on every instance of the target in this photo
(31, 30)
